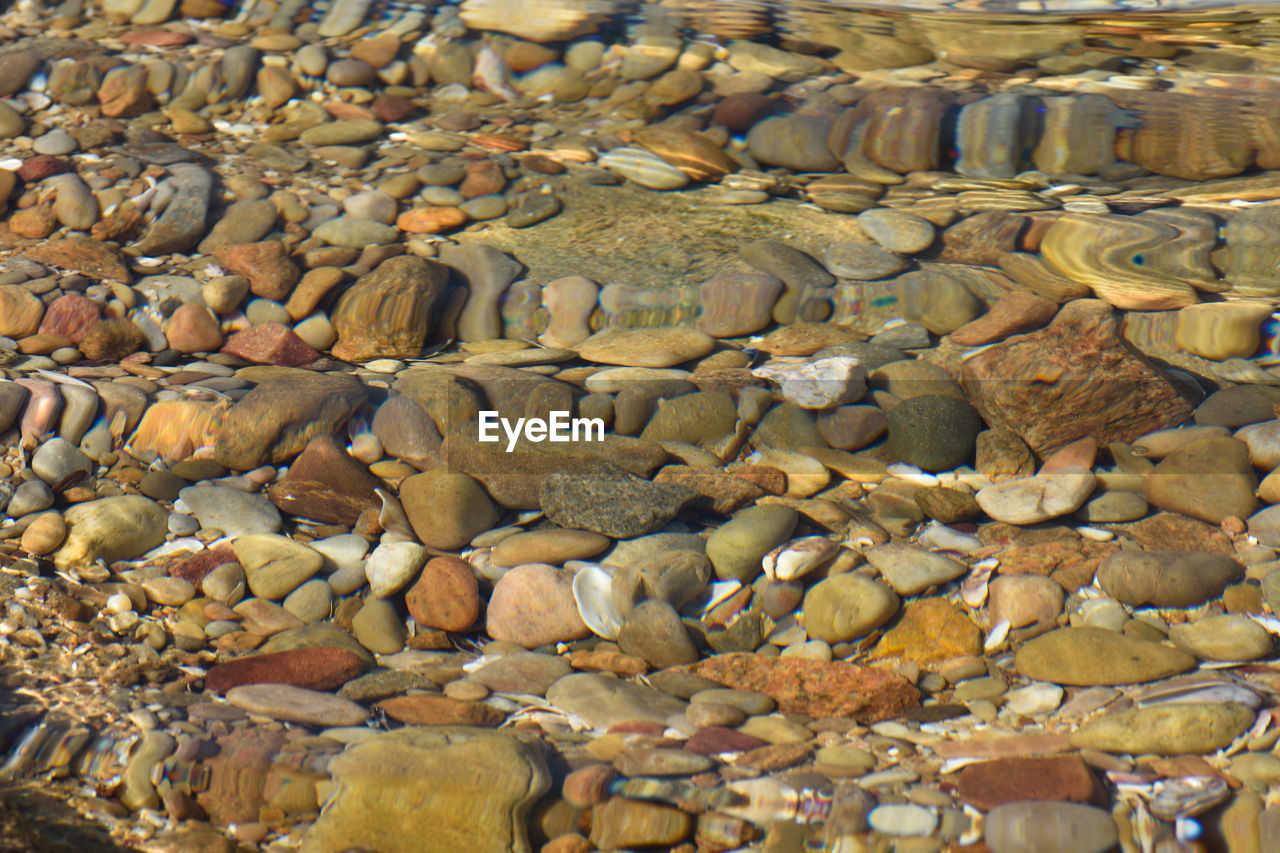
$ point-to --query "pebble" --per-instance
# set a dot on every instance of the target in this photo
(1049, 828)
(1092, 656)
(297, 705)
(1166, 729)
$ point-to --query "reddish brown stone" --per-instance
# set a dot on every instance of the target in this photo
(111, 339)
(35, 222)
(266, 264)
(813, 687)
(325, 483)
(392, 107)
(483, 178)
(1012, 314)
(714, 740)
(124, 92)
(238, 774)
(157, 38)
(603, 660)
(775, 756)
(431, 710)
(588, 785)
(193, 328)
(121, 225)
(446, 595)
(740, 111)
(315, 668)
(70, 316)
(1071, 563)
(194, 568)
(83, 255)
(1003, 745)
(1074, 378)
(270, 343)
(982, 239)
(1060, 778)
(42, 166)
(1167, 531)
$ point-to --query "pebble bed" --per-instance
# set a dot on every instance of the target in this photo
(934, 505)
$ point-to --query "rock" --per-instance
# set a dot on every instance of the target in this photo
(1228, 637)
(325, 483)
(644, 168)
(933, 432)
(447, 509)
(818, 383)
(795, 141)
(1221, 330)
(1023, 600)
(20, 311)
(297, 705)
(275, 421)
(1030, 500)
(1039, 827)
(182, 224)
(446, 596)
(605, 702)
(487, 273)
(911, 570)
(1072, 379)
(664, 346)
(521, 672)
(275, 565)
(379, 627)
(903, 820)
(736, 304)
(1058, 778)
(620, 823)
(379, 805)
(407, 432)
(1091, 656)
(110, 529)
(816, 688)
(554, 546)
(737, 548)
(271, 274)
(388, 313)
(1210, 480)
(930, 631)
(936, 300)
(60, 464)
(1167, 578)
(1237, 405)
(847, 606)
(232, 511)
(533, 605)
(318, 668)
(653, 631)
(801, 274)
(611, 502)
(426, 710)
(111, 339)
(569, 302)
(897, 230)
(1166, 729)
(392, 565)
(703, 418)
(193, 328)
(1013, 313)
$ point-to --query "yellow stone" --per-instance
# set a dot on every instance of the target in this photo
(930, 631)
(1221, 330)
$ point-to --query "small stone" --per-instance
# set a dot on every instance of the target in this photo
(447, 509)
(654, 347)
(897, 230)
(653, 631)
(611, 502)
(737, 548)
(275, 565)
(426, 710)
(392, 565)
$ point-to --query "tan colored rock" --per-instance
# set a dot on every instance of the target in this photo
(388, 313)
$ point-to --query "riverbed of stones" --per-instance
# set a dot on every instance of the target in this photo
(934, 509)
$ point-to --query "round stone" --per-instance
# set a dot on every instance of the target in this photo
(847, 606)
(933, 432)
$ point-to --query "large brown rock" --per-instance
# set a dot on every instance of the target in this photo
(1072, 379)
(388, 313)
(274, 421)
(1211, 480)
(326, 483)
(316, 668)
